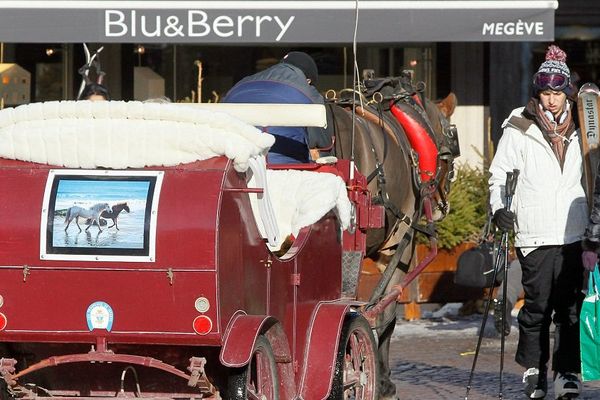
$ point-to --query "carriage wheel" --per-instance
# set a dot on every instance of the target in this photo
(356, 368)
(258, 380)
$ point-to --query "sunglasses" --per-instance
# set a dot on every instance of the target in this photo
(543, 81)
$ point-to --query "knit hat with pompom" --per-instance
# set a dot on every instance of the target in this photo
(556, 62)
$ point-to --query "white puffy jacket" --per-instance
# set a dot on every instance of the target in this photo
(549, 204)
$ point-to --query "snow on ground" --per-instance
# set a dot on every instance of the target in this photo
(448, 321)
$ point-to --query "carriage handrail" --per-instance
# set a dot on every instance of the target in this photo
(258, 114)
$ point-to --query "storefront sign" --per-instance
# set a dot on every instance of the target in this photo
(195, 24)
(270, 21)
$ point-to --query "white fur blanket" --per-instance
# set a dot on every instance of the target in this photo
(304, 197)
(117, 134)
(301, 198)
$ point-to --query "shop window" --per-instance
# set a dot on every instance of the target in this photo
(49, 81)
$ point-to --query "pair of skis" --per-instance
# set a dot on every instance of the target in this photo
(589, 125)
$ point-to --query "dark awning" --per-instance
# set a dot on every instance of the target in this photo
(275, 22)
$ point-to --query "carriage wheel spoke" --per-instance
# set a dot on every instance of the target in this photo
(259, 378)
(351, 381)
(253, 396)
(357, 348)
(261, 374)
(353, 386)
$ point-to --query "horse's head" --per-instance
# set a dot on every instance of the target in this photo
(439, 113)
(117, 208)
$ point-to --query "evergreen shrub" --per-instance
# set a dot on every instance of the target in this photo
(468, 208)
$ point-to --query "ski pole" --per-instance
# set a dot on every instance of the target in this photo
(510, 185)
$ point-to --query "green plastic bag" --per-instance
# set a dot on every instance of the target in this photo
(589, 330)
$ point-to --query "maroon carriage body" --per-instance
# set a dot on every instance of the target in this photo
(193, 307)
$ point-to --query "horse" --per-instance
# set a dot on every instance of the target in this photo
(93, 213)
(114, 213)
(383, 153)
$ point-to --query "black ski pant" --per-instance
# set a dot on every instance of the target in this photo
(552, 281)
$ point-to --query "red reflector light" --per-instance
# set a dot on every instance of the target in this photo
(3, 321)
(202, 325)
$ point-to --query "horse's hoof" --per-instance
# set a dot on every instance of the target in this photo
(387, 390)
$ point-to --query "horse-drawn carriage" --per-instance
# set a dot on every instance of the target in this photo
(221, 279)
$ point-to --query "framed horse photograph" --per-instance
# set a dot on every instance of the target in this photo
(100, 215)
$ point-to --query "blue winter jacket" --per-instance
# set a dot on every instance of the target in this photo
(286, 84)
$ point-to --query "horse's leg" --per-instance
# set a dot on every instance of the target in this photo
(68, 219)
(387, 389)
(77, 222)
(386, 323)
(114, 223)
(98, 222)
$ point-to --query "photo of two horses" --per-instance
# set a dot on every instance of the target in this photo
(111, 213)
(97, 215)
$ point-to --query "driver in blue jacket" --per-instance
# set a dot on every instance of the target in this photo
(291, 81)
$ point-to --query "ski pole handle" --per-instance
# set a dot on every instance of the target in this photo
(507, 188)
(510, 186)
(511, 182)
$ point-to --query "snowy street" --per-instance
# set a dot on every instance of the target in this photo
(432, 358)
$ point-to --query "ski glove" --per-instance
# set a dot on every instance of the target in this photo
(589, 258)
(504, 220)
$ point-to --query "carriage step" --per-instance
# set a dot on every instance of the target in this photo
(351, 262)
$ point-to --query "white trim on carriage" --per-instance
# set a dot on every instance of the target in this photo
(120, 135)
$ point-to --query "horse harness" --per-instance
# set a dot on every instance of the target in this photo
(447, 146)
(382, 196)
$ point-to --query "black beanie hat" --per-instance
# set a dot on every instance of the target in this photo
(304, 62)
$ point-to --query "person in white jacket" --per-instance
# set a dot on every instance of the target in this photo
(548, 215)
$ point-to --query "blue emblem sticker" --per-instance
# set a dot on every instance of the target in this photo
(99, 315)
